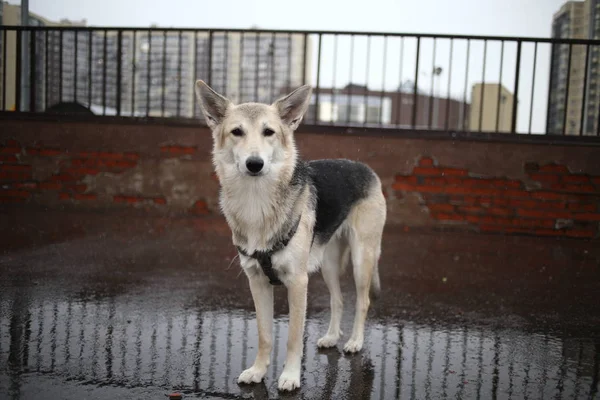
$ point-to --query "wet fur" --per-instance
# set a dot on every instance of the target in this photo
(341, 208)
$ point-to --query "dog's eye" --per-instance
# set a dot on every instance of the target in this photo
(268, 132)
(237, 132)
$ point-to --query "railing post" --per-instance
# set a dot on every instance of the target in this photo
(516, 92)
(119, 69)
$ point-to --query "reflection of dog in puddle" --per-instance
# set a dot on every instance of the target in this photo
(290, 217)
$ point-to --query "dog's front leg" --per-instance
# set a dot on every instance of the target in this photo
(262, 294)
(297, 288)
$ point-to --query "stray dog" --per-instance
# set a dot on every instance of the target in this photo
(290, 217)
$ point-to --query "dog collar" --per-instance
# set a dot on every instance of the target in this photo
(264, 256)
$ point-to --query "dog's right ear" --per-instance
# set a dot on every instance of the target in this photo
(213, 105)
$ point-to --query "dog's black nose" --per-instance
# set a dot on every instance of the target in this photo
(254, 164)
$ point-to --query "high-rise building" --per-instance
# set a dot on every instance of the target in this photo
(491, 108)
(157, 68)
(568, 108)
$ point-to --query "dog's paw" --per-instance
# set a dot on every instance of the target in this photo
(327, 341)
(289, 380)
(252, 375)
(353, 346)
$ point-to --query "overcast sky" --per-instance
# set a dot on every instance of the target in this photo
(476, 17)
(531, 18)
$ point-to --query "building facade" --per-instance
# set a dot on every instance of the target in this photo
(569, 112)
(491, 108)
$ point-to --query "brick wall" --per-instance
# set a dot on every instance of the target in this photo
(506, 188)
(553, 201)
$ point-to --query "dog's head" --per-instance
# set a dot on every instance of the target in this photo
(251, 139)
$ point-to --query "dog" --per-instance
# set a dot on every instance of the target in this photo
(291, 217)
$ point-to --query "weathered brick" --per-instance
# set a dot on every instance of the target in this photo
(581, 233)
(478, 182)
(178, 150)
(435, 181)
(48, 152)
(524, 212)
(576, 179)
(27, 185)
(127, 199)
(160, 200)
(448, 217)
(596, 180)
(427, 171)
(578, 207)
(76, 188)
(502, 202)
(15, 193)
(64, 196)
(454, 172)
(408, 187)
(8, 159)
(586, 216)
(471, 210)
(500, 211)
(507, 183)
(571, 188)
(546, 178)
(10, 150)
(15, 176)
(434, 208)
(82, 171)
(538, 204)
(12, 143)
(426, 162)
(516, 193)
(543, 195)
(200, 207)
(85, 196)
(399, 178)
(15, 168)
(132, 156)
(62, 178)
(50, 186)
(554, 168)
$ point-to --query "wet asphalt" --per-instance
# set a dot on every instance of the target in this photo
(106, 306)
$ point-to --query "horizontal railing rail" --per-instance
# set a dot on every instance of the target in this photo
(369, 80)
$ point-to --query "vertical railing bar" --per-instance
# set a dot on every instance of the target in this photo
(179, 64)
(318, 89)
(163, 75)
(4, 68)
(18, 83)
(430, 105)
(533, 86)
(366, 94)
(334, 75)
(498, 101)
(349, 94)
(466, 84)
(196, 77)
(119, 70)
(148, 72)
(89, 56)
(257, 65)
(416, 88)
(304, 55)
(447, 123)
(482, 93)
(400, 93)
(32, 70)
(103, 73)
(60, 67)
(75, 64)
(566, 103)
(133, 72)
(383, 73)
(272, 53)
(584, 97)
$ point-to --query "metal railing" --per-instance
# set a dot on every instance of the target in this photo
(452, 83)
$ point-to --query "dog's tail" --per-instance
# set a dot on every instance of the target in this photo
(375, 289)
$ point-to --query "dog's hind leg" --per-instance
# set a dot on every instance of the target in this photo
(262, 294)
(335, 254)
(367, 222)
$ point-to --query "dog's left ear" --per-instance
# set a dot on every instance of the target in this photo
(293, 106)
(213, 105)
